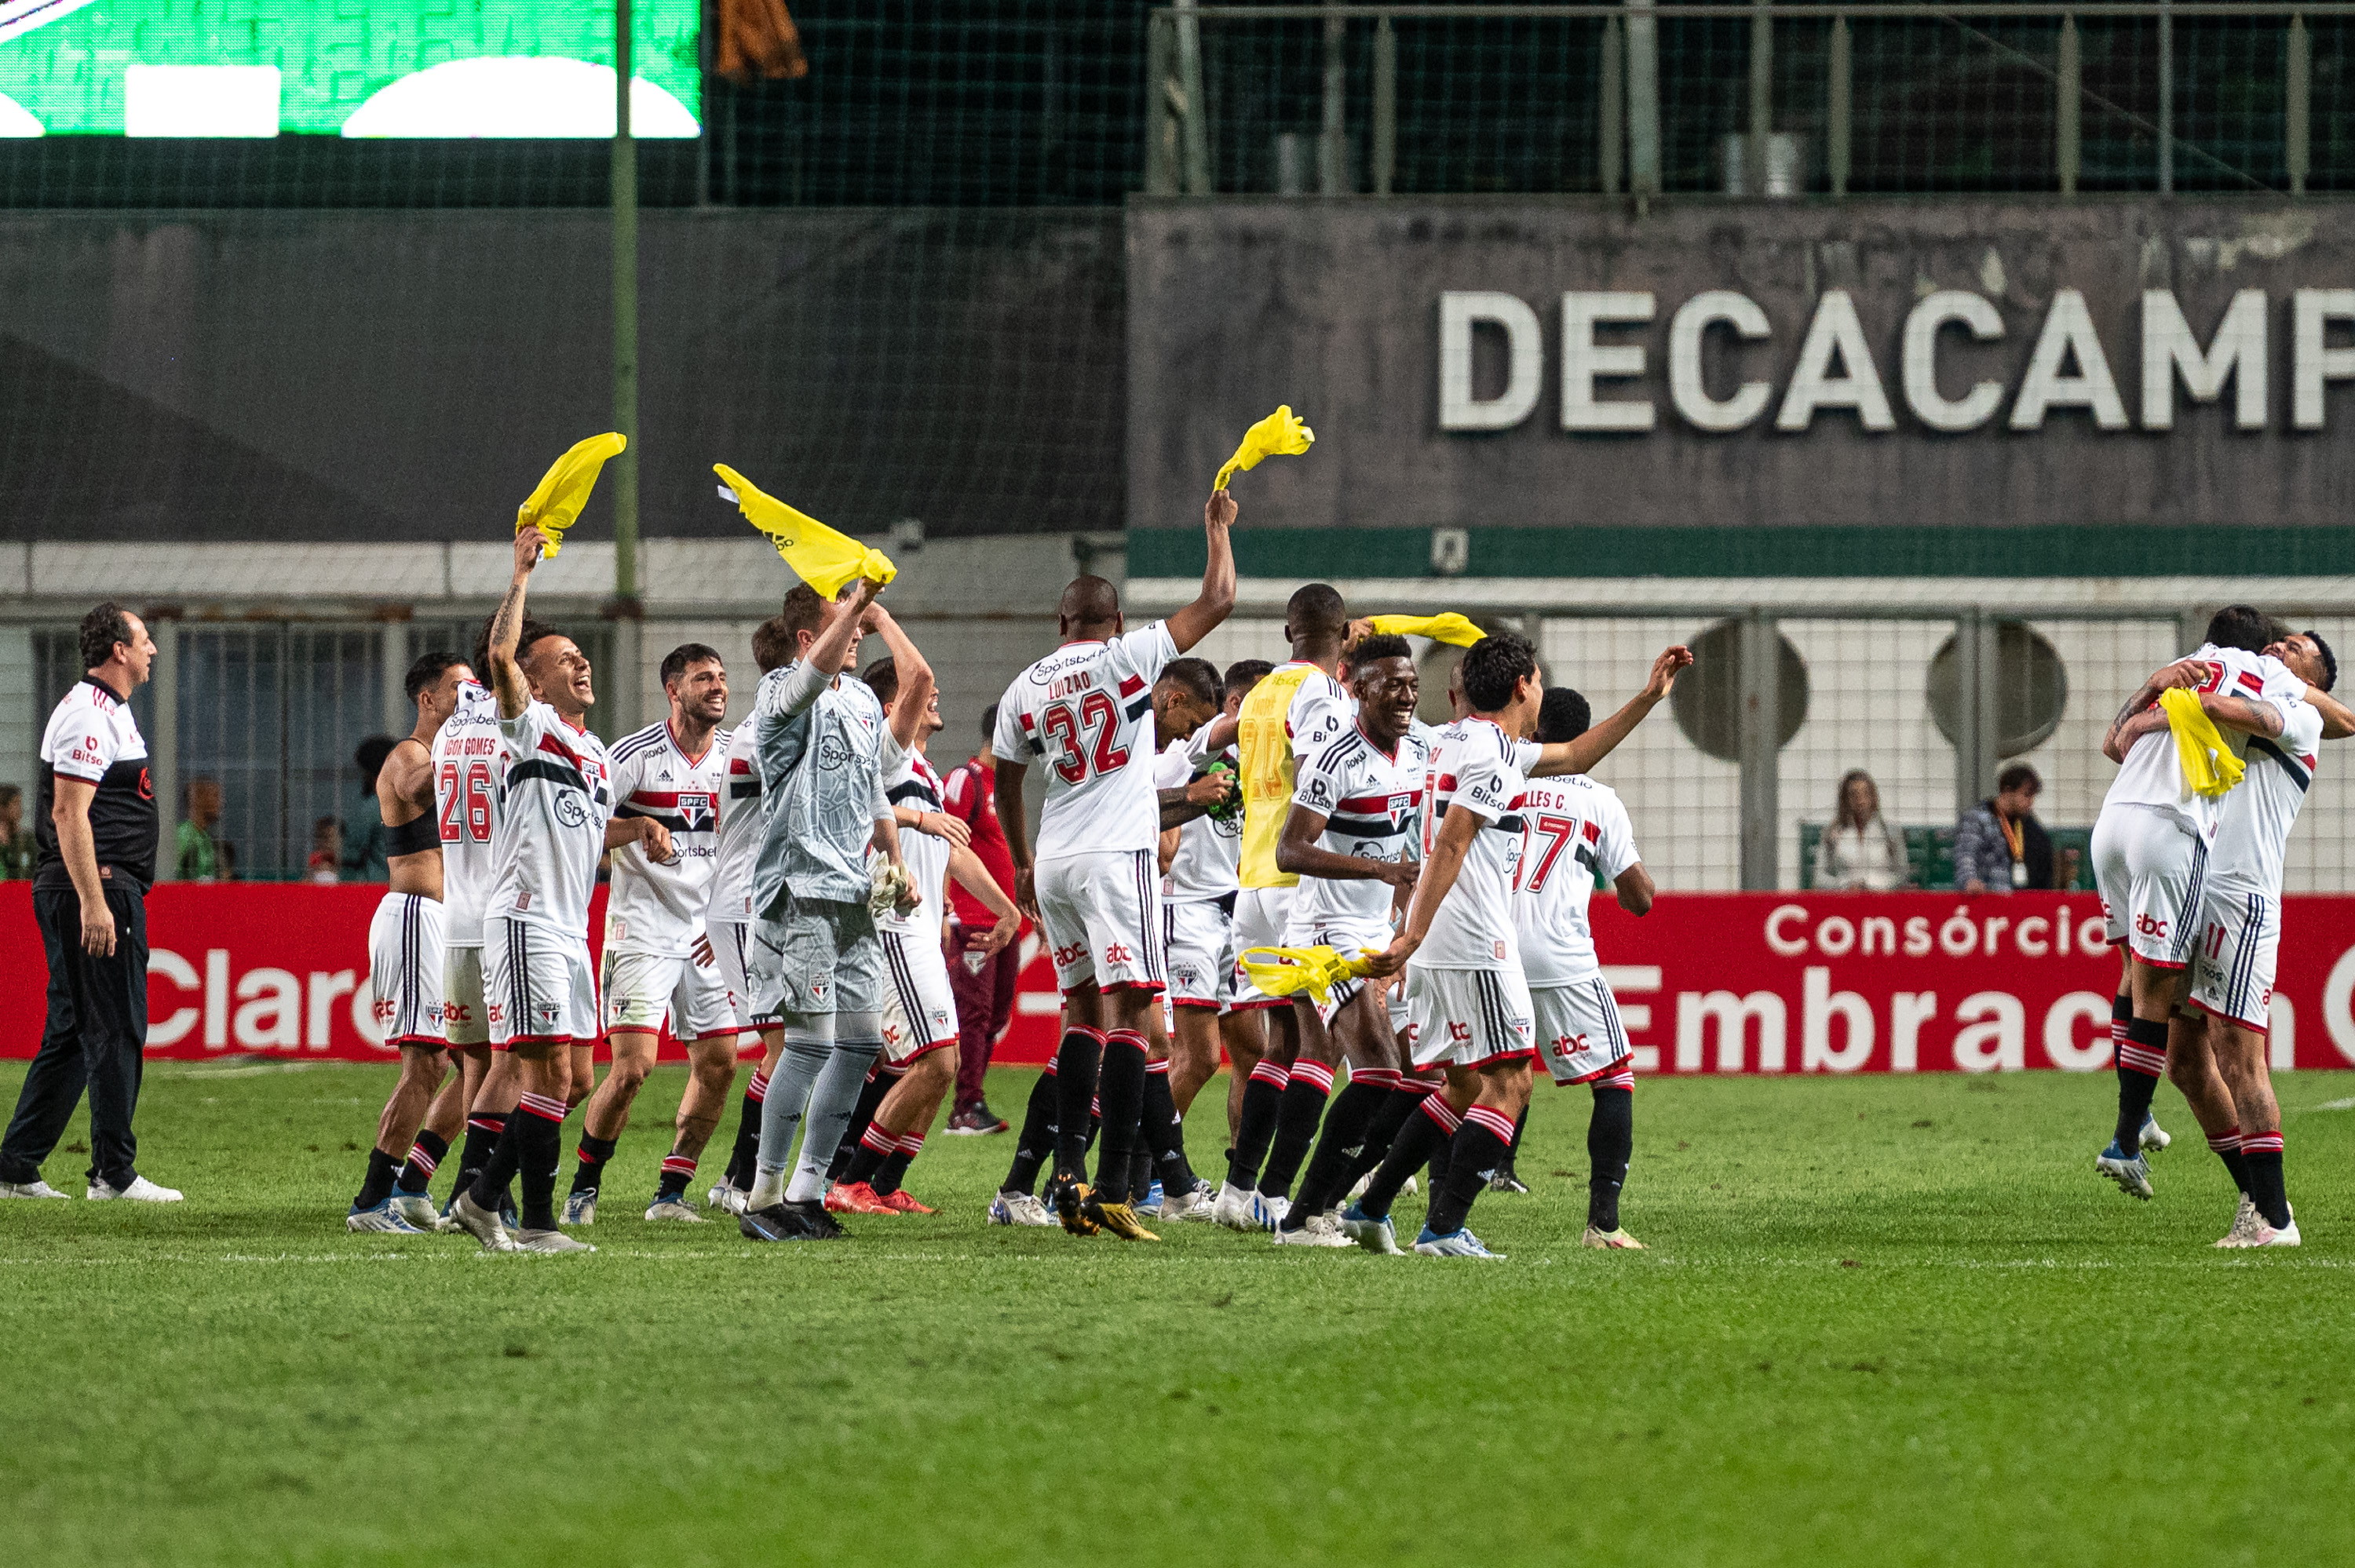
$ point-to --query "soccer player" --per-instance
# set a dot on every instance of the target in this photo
(984, 979)
(817, 957)
(1083, 712)
(658, 959)
(555, 828)
(1349, 837)
(405, 953)
(920, 1011)
(1574, 830)
(1468, 998)
(2150, 848)
(728, 918)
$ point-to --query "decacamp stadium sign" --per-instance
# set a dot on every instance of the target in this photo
(1970, 364)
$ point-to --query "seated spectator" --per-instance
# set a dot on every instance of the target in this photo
(17, 850)
(1860, 852)
(327, 864)
(199, 856)
(1998, 844)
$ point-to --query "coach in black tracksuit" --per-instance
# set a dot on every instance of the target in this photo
(97, 830)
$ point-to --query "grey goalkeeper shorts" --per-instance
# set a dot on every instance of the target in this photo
(819, 957)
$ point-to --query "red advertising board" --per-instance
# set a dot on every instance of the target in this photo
(1726, 983)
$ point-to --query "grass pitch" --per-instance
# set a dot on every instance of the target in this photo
(1885, 1320)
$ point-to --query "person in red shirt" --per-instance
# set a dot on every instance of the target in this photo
(983, 982)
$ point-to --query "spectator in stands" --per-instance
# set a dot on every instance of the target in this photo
(18, 851)
(1860, 853)
(326, 863)
(2000, 845)
(365, 834)
(198, 857)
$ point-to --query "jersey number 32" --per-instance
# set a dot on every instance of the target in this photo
(1097, 754)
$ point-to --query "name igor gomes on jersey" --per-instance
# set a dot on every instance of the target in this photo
(1085, 712)
(656, 906)
(469, 763)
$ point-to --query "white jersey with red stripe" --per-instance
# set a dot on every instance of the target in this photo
(914, 784)
(1083, 715)
(2253, 835)
(1209, 849)
(2152, 774)
(1574, 831)
(1371, 801)
(1471, 769)
(555, 801)
(469, 764)
(739, 847)
(653, 907)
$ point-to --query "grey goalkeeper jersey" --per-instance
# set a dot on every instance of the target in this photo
(821, 746)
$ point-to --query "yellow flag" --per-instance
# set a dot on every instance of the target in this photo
(2209, 765)
(1280, 433)
(1446, 626)
(1281, 972)
(820, 556)
(564, 489)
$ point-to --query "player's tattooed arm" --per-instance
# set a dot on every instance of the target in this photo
(1217, 599)
(916, 683)
(1197, 799)
(2181, 672)
(2240, 714)
(1007, 791)
(507, 629)
(1581, 756)
(2122, 737)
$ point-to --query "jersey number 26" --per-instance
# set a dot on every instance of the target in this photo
(466, 803)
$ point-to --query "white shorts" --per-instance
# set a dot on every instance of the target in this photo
(464, 1020)
(641, 989)
(1262, 917)
(1102, 918)
(537, 985)
(1469, 1018)
(2148, 868)
(405, 969)
(1199, 933)
(732, 946)
(2234, 960)
(1579, 1032)
(919, 1010)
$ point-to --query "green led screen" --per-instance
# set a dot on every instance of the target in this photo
(351, 67)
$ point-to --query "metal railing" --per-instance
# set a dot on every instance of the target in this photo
(1744, 97)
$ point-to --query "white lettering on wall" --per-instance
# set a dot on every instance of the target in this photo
(2068, 338)
(1584, 361)
(1689, 384)
(1973, 313)
(1524, 361)
(1834, 333)
(2237, 351)
(2313, 362)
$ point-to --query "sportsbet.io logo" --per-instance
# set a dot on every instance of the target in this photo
(571, 808)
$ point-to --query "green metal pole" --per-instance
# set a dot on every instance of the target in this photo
(625, 315)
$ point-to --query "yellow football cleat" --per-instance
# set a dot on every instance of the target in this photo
(1118, 1218)
(1610, 1240)
(1069, 1198)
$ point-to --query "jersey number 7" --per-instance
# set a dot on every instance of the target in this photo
(1098, 755)
(1561, 833)
(466, 803)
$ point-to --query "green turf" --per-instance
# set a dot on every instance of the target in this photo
(1885, 1320)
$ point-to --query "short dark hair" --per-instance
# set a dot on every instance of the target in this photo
(989, 724)
(10, 792)
(882, 678)
(1563, 715)
(369, 755)
(2015, 776)
(102, 628)
(2242, 626)
(803, 610)
(1315, 610)
(427, 672)
(1245, 673)
(2329, 659)
(1494, 666)
(1200, 677)
(532, 632)
(676, 661)
(773, 644)
(1381, 645)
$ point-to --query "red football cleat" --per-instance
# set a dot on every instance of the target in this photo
(856, 1198)
(899, 1203)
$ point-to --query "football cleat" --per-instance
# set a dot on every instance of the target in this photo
(856, 1198)
(380, 1219)
(1374, 1235)
(141, 1190)
(1019, 1209)
(822, 1227)
(1197, 1204)
(2245, 1219)
(1268, 1212)
(1068, 1196)
(35, 1188)
(898, 1200)
(1456, 1243)
(2132, 1174)
(417, 1209)
(480, 1223)
(727, 1197)
(977, 1121)
(1319, 1230)
(1233, 1208)
(2260, 1234)
(581, 1208)
(677, 1208)
(1610, 1240)
(1504, 1181)
(1118, 1218)
(2153, 1137)
(777, 1222)
(549, 1242)
(1153, 1197)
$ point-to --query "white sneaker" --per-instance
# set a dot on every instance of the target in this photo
(581, 1208)
(35, 1188)
(2260, 1234)
(1610, 1241)
(141, 1190)
(1233, 1208)
(677, 1209)
(1322, 1230)
(1019, 1209)
(1267, 1214)
(417, 1209)
(548, 1241)
(1199, 1202)
(2153, 1137)
(727, 1198)
(1456, 1243)
(481, 1224)
(2244, 1218)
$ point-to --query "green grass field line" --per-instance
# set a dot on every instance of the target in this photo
(1885, 1320)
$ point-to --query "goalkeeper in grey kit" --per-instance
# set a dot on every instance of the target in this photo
(816, 958)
